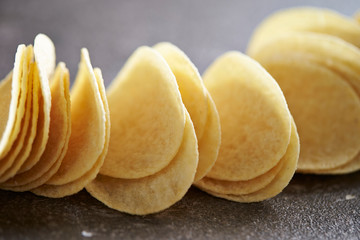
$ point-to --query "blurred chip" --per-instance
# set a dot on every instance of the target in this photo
(325, 109)
(305, 19)
(13, 107)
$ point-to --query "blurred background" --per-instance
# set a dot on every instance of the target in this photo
(112, 29)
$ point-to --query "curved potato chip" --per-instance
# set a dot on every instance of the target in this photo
(255, 120)
(5, 100)
(209, 144)
(156, 192)
(13, 160)
(46, 53)
(195, 98)
(88, 130)
(58, 135)
(305, 19)
(16, 109)
(43, 52)
(325, 109)
(147, 117)
(281, 180)
(191, 87)
(57, 191)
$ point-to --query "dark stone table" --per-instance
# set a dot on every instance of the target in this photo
(311, 207)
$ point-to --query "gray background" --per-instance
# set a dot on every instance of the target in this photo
(310, 207)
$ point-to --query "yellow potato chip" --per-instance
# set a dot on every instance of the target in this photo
(209, 143)
(57, 191)
(43, 52)
(16, 109)
(280, 181)
(325, 109)
(254, 117)
(331, 52)
(191, 86)
(5, 99)
(305, 19)
(152, 193)
(195, 98)
(88, 129)
(58, 136)
(147, 117)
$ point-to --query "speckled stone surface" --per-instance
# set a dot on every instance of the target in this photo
(311, 207)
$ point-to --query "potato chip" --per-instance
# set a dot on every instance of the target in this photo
(192, 89)
(255, 120)
(209, 144)
(334, 53)
(16, 109)
(325, 109)
(195, 98)
(88, 130)
(156, 192)
(44, 53)
(58, 136)
(57, 191)
(147, 117)
(5, 99)
(305, 19)
(281, 180)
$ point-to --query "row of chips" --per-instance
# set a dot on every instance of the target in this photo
(165, 129)
(314, 55)
(165, 132)
(53, 142)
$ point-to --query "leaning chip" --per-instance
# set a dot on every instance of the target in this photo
(255, 119)
(147, 115)
(11, 163)
(13, 108)
(199, 104)
(44, 60)
(90, 126)
(153, 193)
